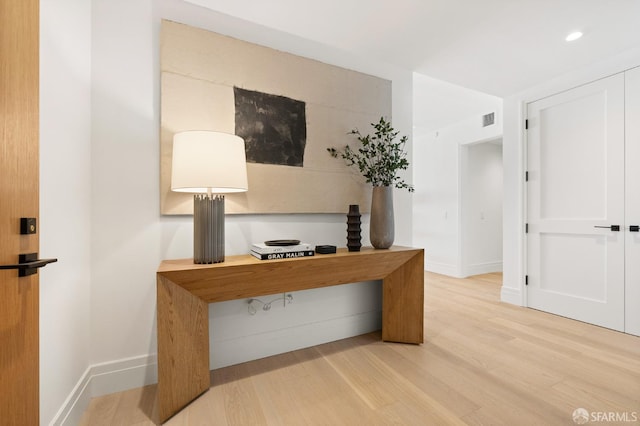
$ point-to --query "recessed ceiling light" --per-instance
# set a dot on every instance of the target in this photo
(574, 36)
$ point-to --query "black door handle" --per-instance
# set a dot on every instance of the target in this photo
(28, 264)
(634, 228)
(612, 227)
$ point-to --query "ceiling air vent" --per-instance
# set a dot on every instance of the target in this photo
(488, 119)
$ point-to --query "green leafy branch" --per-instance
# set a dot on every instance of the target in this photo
(379, 157)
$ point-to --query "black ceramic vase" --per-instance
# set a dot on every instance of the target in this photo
(354, 236)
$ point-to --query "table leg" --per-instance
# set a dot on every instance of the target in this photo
(403, 303)
(183, 348)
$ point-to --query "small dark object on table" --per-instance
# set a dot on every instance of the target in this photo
(325, 249)
(282, 242)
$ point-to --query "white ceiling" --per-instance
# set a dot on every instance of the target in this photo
(498, 47)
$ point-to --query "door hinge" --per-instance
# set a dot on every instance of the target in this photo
(526, 228)
(526, 124)
(526, 280)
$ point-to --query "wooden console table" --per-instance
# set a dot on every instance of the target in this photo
(185, 290)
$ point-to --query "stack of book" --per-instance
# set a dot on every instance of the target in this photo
(265, 252)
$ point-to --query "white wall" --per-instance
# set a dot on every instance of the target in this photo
(65, 205)
(514, 163)
(435, 211)
(129, 238)
(65, 35)
(126, 234)
(481, 208)
(439, 104)
(100, 207)
(438, 197)
(445, 116)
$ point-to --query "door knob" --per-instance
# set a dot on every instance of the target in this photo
(28, 264)
(612, 227)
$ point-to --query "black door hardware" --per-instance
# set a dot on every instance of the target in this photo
(27, 225)
(28, 264)
(612, 227)
(634, 228)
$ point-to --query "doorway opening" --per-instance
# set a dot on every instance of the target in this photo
(481, 199)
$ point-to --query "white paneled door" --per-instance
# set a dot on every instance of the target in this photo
(576, 203)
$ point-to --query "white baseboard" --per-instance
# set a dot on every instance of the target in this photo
(482, 268)
(76, 403)
(511, 295)
(467, 271)
(105, 378)
(130, 373)
(443, 269)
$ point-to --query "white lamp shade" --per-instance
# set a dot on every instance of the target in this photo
(206, 160)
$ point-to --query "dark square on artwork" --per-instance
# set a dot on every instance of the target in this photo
(274, 128)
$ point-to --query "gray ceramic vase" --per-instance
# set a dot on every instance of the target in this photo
(381, 227)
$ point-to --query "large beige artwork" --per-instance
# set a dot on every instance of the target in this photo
(214, 82)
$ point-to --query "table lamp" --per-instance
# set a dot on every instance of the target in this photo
(208, 164)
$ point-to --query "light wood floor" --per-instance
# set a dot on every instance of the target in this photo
(483, 362)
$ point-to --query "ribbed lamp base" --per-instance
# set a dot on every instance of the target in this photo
(208, 228)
